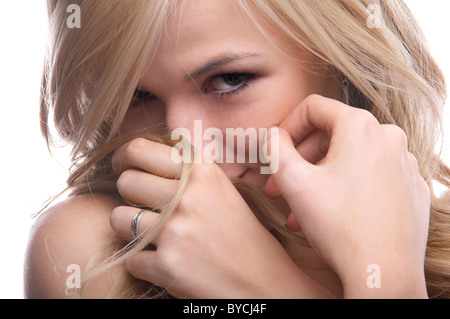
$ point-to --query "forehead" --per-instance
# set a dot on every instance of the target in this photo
(202, 29)
(206, 22)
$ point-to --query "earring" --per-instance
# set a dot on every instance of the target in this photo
(345, 85)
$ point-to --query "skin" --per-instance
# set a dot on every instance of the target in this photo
(325, 149)
(285, 78)
(277, 97)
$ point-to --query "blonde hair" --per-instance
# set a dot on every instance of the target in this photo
(91, 73)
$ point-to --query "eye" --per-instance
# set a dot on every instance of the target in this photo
(140, 95)
(228, 84)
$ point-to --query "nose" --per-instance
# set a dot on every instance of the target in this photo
(188, 119)
(183, 113)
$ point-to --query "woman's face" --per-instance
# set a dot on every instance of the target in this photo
(214, 65)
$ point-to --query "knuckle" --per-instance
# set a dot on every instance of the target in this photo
(415, 166)
(395, 133)
(425, 187)
(400, 136)
(395, 140)
(210, 170)
(421, 183)
(134, 147)
(359, 123)
(117, 215)
(414, 163)
(168, 261)
(313, 99)
(426, 190)
(124, 180)
(177, 229)
(206, 168)
(364, 119)
(115, 163)
(126, 153)
(115, 220)
(186, 202)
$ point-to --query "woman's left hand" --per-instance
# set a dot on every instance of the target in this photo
(213, 246)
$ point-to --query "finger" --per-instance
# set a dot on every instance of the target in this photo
(150, 156)
(333, 118)
(144, 265)
(270, 188)
(122, 217)
(313, 149)
(292, 223)
(310, 126)
(291, 166)
(315, 112)
(141, 188)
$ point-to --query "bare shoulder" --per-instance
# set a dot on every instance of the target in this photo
(61, 242)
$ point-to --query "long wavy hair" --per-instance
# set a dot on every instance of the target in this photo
(90, 76)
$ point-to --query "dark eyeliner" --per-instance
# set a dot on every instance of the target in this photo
(140, 95)
(249, 77)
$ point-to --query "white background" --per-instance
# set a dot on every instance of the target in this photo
(28, 174)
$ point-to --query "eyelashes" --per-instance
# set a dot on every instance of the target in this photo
(223, 86)
(229, 84)
(141, 95)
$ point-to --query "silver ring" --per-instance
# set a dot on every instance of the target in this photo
(135, 222)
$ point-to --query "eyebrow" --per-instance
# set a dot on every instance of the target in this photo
(217, 62)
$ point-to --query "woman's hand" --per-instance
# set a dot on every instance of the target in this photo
(363, 204)
(213, 246)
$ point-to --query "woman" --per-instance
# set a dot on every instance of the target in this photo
(351, 192)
